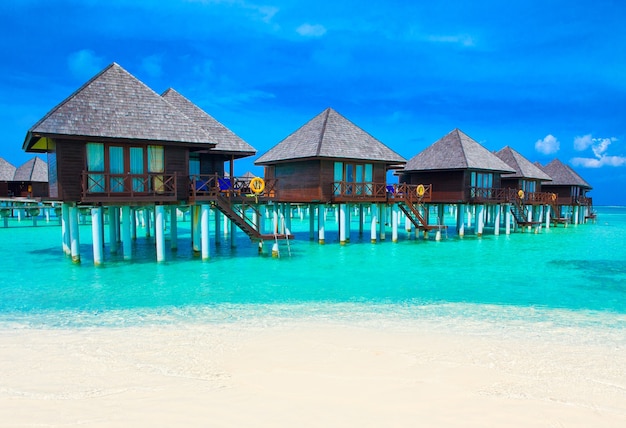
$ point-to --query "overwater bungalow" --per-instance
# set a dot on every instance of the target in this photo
(117, 144)
(459, 171)
(7, 172)
(30, 180)
(330, 161)
(570, 189)
(524, 189)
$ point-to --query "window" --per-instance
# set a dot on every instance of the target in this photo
(122, 169)
(95, 163)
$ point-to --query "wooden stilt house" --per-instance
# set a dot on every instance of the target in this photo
(116, 143)
(570, 190)
(523, 187)
(116, 140)
(330, 160)
(459, 169)
(30, 179)
(7, 172)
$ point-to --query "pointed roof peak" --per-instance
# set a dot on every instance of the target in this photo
(522, 166)
(456, 150)
(226, 140)
(564, 175)
(330, 135)
(115, 104)
(34, 169)
(7, 170)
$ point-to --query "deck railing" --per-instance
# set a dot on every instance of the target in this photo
(208, 186)
(483, 194)
(153, 186)
(350, 191)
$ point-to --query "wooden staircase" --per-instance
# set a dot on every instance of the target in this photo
(238, 217)
(415, 216)
(519, 212)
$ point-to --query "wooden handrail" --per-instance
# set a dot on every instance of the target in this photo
(107, 185)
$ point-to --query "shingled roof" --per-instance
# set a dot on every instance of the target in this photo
(522, 166)
(563, 175)
(7, 171)
(115, 104)
(227, 141)
(330, 135)
(32, 170)
(456, 151)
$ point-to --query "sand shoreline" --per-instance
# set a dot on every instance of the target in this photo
(304, 374)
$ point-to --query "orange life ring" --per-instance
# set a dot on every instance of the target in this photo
(554, 196)
(420, 190)
(520, 194)
(257, 185)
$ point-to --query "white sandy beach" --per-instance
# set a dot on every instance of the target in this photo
(304, 375)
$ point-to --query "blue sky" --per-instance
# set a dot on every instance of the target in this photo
(547, 78)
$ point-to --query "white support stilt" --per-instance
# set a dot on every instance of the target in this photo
(507, 219)
(496, 220)
(204, 230)
(65, 228)
(195, 228)
(321, 220)
(74, 234)
(480, 220)
(460, 220)
(394, 223)
(96, 235)
(173, 228)
(348, 222)
(342, 224)
(547, 210)
(374, 225)
(127, 246)
(159, 231)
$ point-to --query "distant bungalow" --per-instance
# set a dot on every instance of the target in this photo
(570, 190)
(330, 160)
(132, 149)
(30, 180)
(461, 172)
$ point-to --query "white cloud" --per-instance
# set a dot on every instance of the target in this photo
(599, 161)
(309, 30)
(84, 64)
(548, 145)
(599, 147)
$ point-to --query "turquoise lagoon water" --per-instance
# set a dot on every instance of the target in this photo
(560, 279)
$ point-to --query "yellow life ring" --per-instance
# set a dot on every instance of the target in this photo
(554, 196)
(520, 194)
(257, 185)
(420, 190)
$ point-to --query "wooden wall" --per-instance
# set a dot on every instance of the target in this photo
(448, 186)
(70, 164)
(177, 161)
(297, 181)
